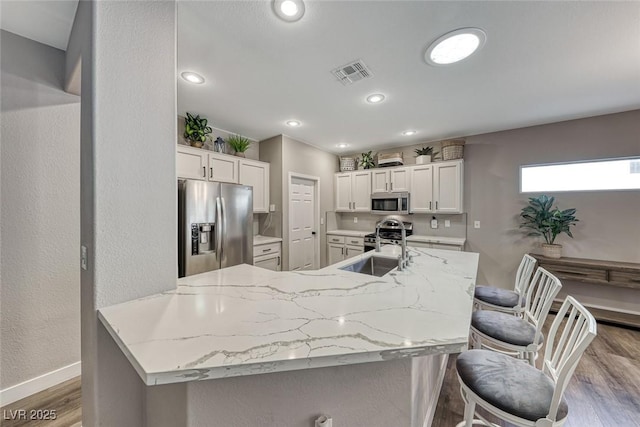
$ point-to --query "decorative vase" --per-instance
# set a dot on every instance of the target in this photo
(421, 160)
(552, 251)
(239, 154)
(197, 144)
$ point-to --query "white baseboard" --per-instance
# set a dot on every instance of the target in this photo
(37, 384)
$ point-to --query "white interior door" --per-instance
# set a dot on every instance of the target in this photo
(301, 224)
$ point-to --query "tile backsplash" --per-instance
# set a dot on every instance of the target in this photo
(421, 223)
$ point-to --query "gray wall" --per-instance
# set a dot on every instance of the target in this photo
(40, 232)
(608, 227)
(304, 159)
(128, 190)
(271, 152)
(252, 153)
(289, 155)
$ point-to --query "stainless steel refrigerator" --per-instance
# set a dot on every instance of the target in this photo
(215, 226)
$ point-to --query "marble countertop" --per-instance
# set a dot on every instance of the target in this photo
(263, 240)
(245, 320)
(350, 233)
(459, 241)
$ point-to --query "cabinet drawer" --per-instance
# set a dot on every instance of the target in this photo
(336, 239)
(582, 274)
(354, 241)
(271, 248)
(627, 279)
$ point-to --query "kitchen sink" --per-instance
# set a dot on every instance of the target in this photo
(373, 266)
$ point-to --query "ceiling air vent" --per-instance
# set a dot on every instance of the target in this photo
(634, 167)
(352, 72)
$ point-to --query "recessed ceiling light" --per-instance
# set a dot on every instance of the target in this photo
(192, 77)
(409, 132)
(289, 10)
(455, 46)
(375, 98)
(342, 145)
(293, 123)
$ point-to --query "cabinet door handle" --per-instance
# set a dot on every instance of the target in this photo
(386, 185)
(204, 171)
(429, 205)
(436, 205)
(391, 185)
(210, 172)
(342, 251)
(267, 250)
(278, 259)
(354, 242)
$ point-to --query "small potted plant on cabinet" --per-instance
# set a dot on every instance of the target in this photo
(542, 219)
(424, 155)
(367, 160)
(240, 144)
(196, 130)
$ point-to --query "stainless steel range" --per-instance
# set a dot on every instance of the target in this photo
(390, 233)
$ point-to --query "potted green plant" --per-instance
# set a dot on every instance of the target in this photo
(424, 155)
(367, 161)
(239, 143)
(542, 219)
(196, 130)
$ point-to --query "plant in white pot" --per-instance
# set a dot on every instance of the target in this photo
(424, 155)
(542, 219)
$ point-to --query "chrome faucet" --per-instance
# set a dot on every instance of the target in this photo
(402, 260)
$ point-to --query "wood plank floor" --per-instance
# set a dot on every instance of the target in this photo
(604, 391)
(63, 398)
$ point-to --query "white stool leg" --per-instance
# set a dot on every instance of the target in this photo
(469, 411)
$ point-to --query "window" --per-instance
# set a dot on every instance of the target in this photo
(596, 175)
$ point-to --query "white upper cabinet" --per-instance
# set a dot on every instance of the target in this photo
(205, 165)
(223, 168)
(256, 174)
(343, 191)
(191, 163)
(352, 191)
(361, 191)
(437, 188)
(447, 186)
(380, 181)
(387, 180)
(400, 179)
(422, 189)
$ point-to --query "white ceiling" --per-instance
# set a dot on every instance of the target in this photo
(542, 62)
(48, 22)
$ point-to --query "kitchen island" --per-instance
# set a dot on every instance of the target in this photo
(235, 347)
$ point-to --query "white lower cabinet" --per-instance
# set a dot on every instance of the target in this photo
(268, 256)
(342, 247)
(336, 252)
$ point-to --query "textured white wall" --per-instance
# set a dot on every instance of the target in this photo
(40, 231)
(128, 193)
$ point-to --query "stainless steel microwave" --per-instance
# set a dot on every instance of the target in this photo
(390, 203)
